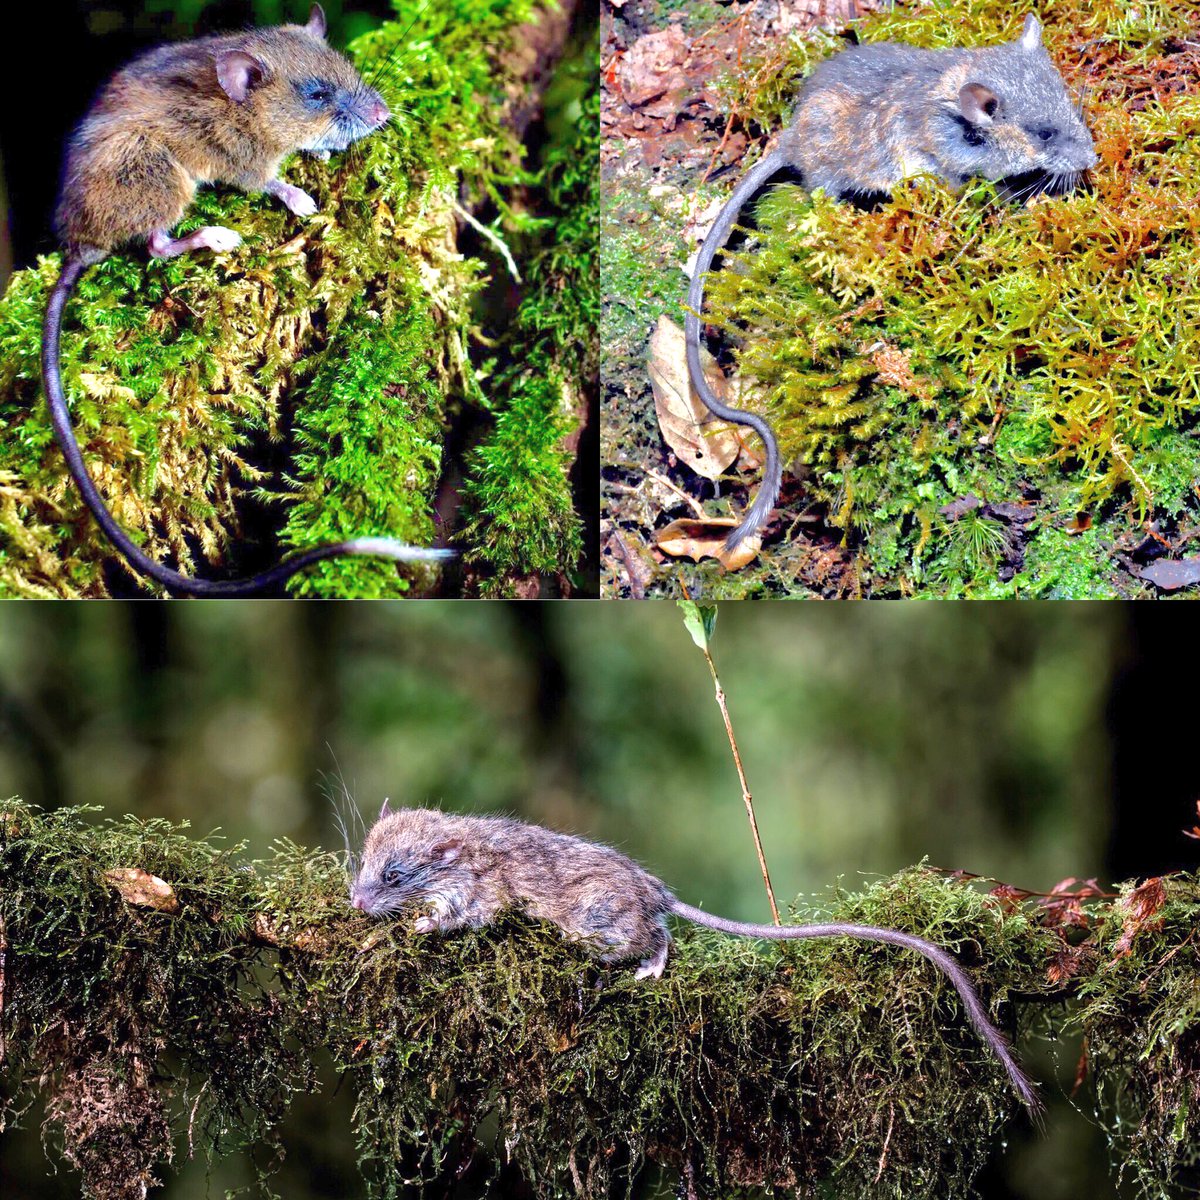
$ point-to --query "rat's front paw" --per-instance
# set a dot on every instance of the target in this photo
(297, 200)
(424, 925)
(215, 237)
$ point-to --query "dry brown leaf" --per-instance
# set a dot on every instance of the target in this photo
(654, 65)
(687, 426)
(143, 889)
(706, 539)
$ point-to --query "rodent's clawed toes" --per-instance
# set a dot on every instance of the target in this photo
(300, 202)
(295, 199)
(214, 237)
(424, 925)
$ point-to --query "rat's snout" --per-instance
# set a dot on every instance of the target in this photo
(377, 112)
(359, 902)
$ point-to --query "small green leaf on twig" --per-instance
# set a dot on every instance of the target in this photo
(700, 621)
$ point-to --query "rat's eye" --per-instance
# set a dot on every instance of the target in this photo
(1048, 134)
(316, 93)
(393, 875)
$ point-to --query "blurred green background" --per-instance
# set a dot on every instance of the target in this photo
(1026, 742)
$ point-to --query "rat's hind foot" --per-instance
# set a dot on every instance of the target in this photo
(211, 237)
(652, 968)
(297, 200)
(424, 925)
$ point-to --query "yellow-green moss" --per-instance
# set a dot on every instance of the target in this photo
(886, 344)
(211, 393)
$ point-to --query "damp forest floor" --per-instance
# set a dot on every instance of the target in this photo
(1026, 458)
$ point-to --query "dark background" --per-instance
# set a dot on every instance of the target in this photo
(1024, 742)
(70, 48)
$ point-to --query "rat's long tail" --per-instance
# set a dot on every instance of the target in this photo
(768, 492)
(74, 265)
(942, 959)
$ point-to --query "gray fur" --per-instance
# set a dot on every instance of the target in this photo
(874, 115)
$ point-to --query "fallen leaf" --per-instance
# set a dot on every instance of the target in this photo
(706, 539)
(1078, 524)
(960, 507)
(143, 889)
(1014, 514)
(1171, 574)
(654, 65)
(695, 435)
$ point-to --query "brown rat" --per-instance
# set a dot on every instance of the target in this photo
(468, 870)
(223, 109)
(876, 114)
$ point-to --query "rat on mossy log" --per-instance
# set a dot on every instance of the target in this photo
(223, 109)
(465, 871)
(873, 115)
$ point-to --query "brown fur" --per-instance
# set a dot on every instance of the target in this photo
(164, 125)
(466, 871)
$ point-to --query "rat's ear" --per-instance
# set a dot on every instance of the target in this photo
(239, 74)
(448, 850)
(978, 103)
(316, 23)
(385, 809)
(1031, 34)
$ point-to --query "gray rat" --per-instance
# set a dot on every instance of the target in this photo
(467, 870)
(876, 114)
(223, 109)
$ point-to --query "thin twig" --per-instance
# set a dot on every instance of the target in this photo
(491, 235)
(746, 797)
(886, 1142)
(691, 501)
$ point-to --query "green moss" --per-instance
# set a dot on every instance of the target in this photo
(824, 1067)
(886, 345)
(1140, 1014)
(209, 391)
(519, 494)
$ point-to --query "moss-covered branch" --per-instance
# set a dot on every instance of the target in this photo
(135, 1001)
(298, 390)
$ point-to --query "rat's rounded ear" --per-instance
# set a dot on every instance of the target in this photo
(979, 104)
(448, 851)
(1031, 34)
(239, 74)
(316, 23)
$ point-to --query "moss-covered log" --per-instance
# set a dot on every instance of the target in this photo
(162, 991)
(299, 389)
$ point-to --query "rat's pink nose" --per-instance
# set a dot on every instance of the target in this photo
(379, 112)
(359, 902)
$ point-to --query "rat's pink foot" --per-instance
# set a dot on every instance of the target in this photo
(212, 237)
(652, 968)
(424, 925)
(296, 199)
